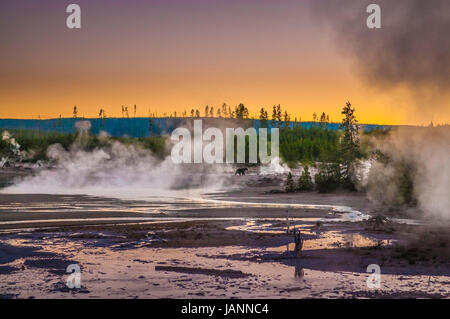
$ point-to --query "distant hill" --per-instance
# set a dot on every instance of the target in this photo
(141, 127)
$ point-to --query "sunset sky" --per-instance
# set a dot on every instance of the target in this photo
(174, 55)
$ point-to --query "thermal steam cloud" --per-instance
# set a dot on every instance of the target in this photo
(426, 153)
(120, 166)
(119, 171)
(412, 47)
(411, 50)
(113, 170)
(15, 147)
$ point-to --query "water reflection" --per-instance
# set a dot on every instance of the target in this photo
(299, 273)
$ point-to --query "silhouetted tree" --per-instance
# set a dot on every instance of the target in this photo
(263, 118)
(241, 111)
(290, 185)
(305, 182)
(349, 143)
(287, 118)
(274, 114)
(323, 120)
(328, 178)
(279, 113)
(224, 110)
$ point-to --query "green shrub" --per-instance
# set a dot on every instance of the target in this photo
(290, 185)
(403, 178)
(5, 149)
(157, 145)
(305, 182)
(36, 143)
(328, 178)
(301, 144)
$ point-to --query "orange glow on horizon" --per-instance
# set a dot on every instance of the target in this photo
(171, 56)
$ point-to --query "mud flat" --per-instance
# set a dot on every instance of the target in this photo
(229, 244)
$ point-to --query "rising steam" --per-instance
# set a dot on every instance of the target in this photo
(114, 170)
(411, 51)
(423, 154)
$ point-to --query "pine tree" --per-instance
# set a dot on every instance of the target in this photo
(241, 112)
(290, 185)
(274, 114)
(349, 144)
(305, 182)
(287, 118)
(328, 178)
(279, 113)
(323, 120)
(224, 110)
(263, 117)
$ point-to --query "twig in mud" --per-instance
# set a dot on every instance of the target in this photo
(288, 225)
(298, 242)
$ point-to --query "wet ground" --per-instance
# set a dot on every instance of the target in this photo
(231, 244)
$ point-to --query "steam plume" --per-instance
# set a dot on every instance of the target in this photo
(411, 50)
(115, 170)
(426, 153)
